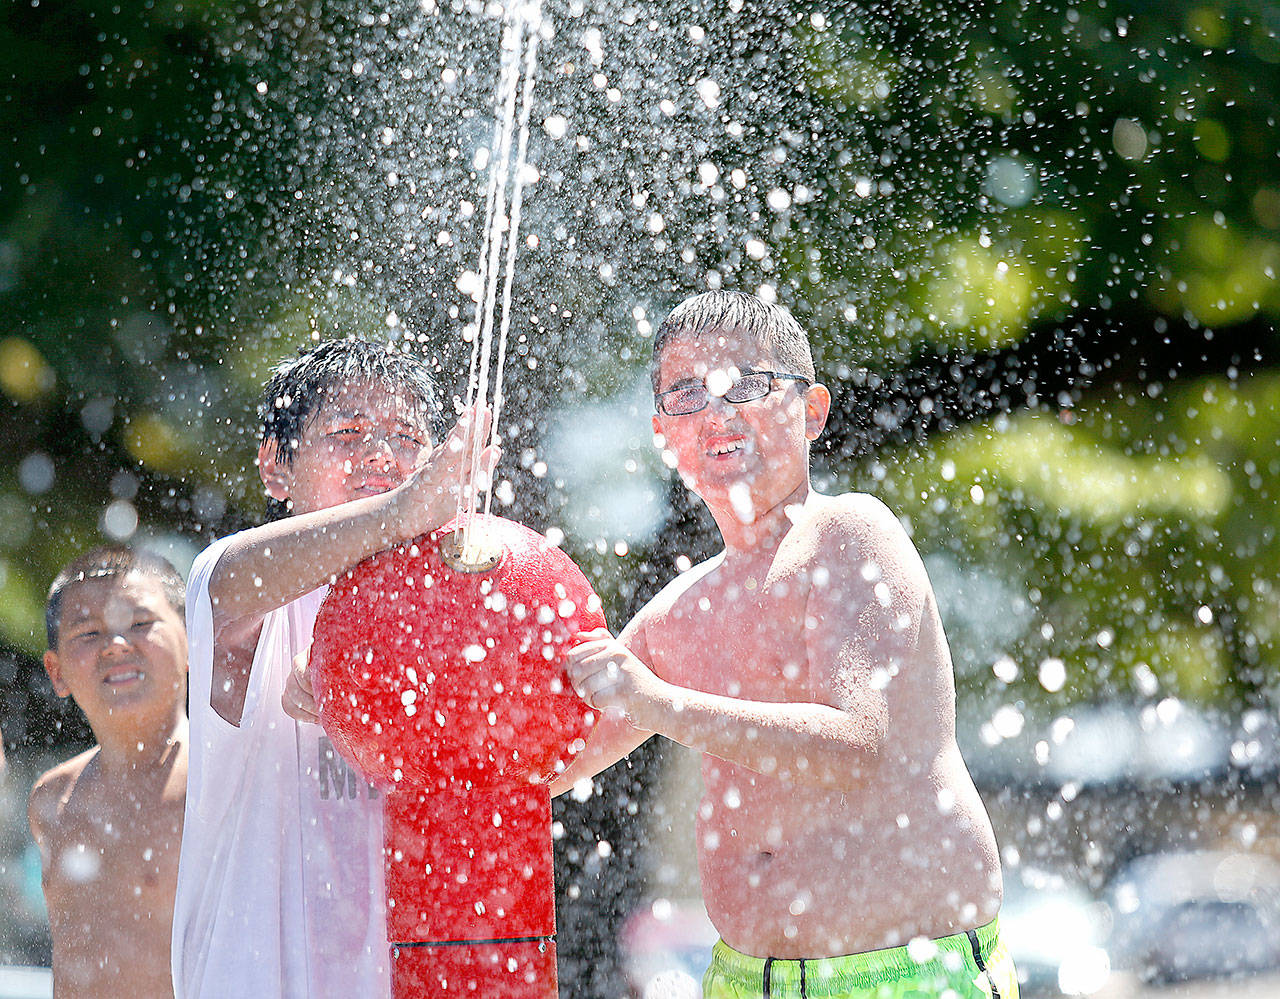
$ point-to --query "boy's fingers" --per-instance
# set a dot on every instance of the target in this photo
(473, 421)
(460, 443)
(302, 671)
(298, 706)
(297, 694)
(580, 676)
(484, 473)
(597, 683)
(584, 687)
(482, 420)
(461, 433)
(298, 698)
(592, 675)
(455, 442)
(579, 656)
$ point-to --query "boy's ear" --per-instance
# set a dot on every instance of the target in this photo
(53, 667)
(817, 405)
(272, 471)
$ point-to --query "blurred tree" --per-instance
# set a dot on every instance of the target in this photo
(1113, 267)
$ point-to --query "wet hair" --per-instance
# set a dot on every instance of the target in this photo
(298, 387)
(112, 562)
(771, 326)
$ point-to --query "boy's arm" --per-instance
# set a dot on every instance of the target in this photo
(610, 740)
(269, 566)
(815, 743)
(42, 812)
(612, 737)
(861, 628)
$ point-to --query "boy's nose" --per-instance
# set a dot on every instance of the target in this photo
(378, 450)
(719, 410)
(118, 642)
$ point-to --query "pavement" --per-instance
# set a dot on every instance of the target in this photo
(25, 983)
(1123, 986)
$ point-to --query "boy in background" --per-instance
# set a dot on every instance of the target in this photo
(280, 888)
(842, 846)
(108, 823)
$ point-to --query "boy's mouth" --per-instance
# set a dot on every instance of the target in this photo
(723, 447)
(121, 676)
(377, 484)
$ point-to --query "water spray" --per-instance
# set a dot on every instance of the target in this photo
(513, 105)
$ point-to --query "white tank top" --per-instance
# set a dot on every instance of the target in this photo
(280, 879)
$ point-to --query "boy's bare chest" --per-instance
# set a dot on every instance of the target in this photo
(127, 851)
(742, 636)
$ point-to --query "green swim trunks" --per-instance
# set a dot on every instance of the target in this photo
(971, 965)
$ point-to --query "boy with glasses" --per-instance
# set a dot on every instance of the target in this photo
(842, 846)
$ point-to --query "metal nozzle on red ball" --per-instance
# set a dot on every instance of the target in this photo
(438, 668)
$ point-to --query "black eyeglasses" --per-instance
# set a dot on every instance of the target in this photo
(749, 386)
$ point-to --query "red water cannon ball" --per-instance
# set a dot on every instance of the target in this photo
(438, 670)
(440, 661)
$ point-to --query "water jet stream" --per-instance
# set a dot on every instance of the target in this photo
(522, 25)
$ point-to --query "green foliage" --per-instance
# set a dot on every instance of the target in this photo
(1134, 532)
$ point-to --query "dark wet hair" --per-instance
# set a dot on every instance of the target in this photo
(112, 562)
(771, 326)
(297, 388)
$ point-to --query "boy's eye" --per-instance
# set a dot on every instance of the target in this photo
(147, 623)
(410, 439)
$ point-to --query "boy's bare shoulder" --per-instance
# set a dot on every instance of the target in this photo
(53, 788)
(857, 536)
(851, 517)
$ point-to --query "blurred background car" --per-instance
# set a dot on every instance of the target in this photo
(1190, 915)
(18, 982)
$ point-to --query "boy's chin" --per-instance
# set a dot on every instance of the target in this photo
(710, 485)
(735, 497)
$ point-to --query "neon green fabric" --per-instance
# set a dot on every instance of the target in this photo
(933, 969)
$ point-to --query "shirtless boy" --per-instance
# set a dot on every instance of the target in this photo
(842, 846)
(109, 822)
(280, 888)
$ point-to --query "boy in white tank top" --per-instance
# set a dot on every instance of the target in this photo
(280, 883)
